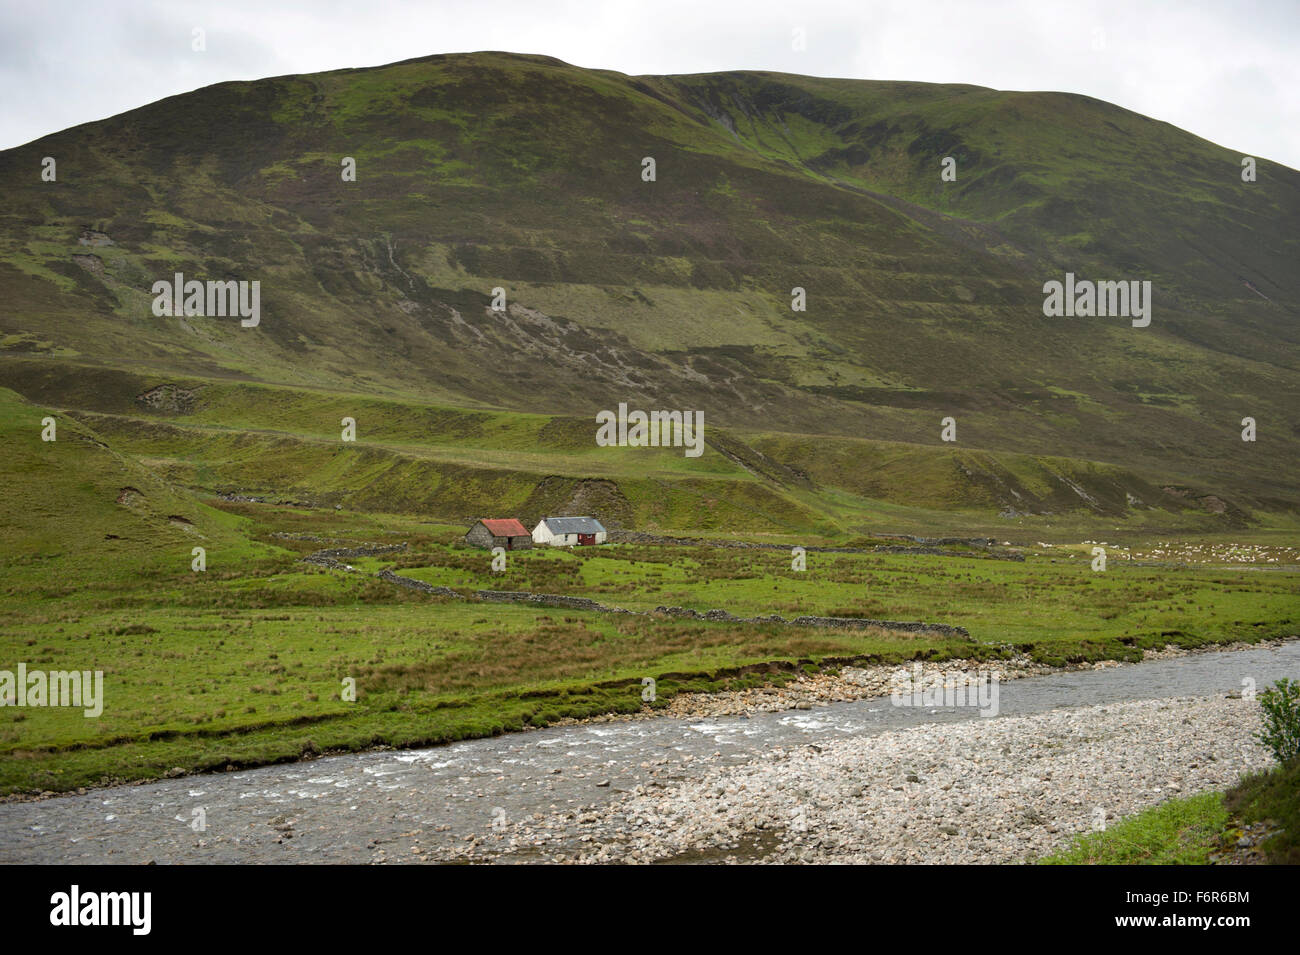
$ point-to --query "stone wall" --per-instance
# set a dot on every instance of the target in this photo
(845, 623)
(334, 557)
(716, 616)
(923, 545)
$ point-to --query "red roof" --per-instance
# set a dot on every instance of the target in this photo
(505, 527)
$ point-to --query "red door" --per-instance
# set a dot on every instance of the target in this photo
(586, 538)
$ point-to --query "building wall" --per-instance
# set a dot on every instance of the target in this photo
(542, 535)
(480, 536)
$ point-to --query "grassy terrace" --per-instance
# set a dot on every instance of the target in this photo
(415, 457)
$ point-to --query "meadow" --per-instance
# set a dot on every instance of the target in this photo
(244, 663)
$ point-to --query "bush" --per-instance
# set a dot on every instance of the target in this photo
(1281, 733)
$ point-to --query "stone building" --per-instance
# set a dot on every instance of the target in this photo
(569, 531)
(504, 532)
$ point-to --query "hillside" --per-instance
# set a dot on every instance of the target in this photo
(485, 170)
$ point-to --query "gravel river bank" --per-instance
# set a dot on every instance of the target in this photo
(979, 791)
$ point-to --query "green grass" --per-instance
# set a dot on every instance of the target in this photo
(1178, 832)
(456, 463)
(1273, 796)
(232, 668)
(1060, 602)
(243, 664)
(1188, 831)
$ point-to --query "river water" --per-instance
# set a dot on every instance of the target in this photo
(385, 805)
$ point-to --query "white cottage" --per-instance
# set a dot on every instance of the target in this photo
(568, 531)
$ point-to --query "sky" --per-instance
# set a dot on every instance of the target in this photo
(1226, 71)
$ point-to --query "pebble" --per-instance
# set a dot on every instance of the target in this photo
(1004, 790)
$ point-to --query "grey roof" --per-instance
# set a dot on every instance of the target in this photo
(573, 525)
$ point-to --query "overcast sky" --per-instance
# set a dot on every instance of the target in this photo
(1227, 71)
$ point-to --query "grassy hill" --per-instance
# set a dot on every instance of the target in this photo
(822, 426)
(485, 170)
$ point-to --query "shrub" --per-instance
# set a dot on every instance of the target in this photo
(1281, 733)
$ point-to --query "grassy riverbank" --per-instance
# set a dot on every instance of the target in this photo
(1198, 829)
